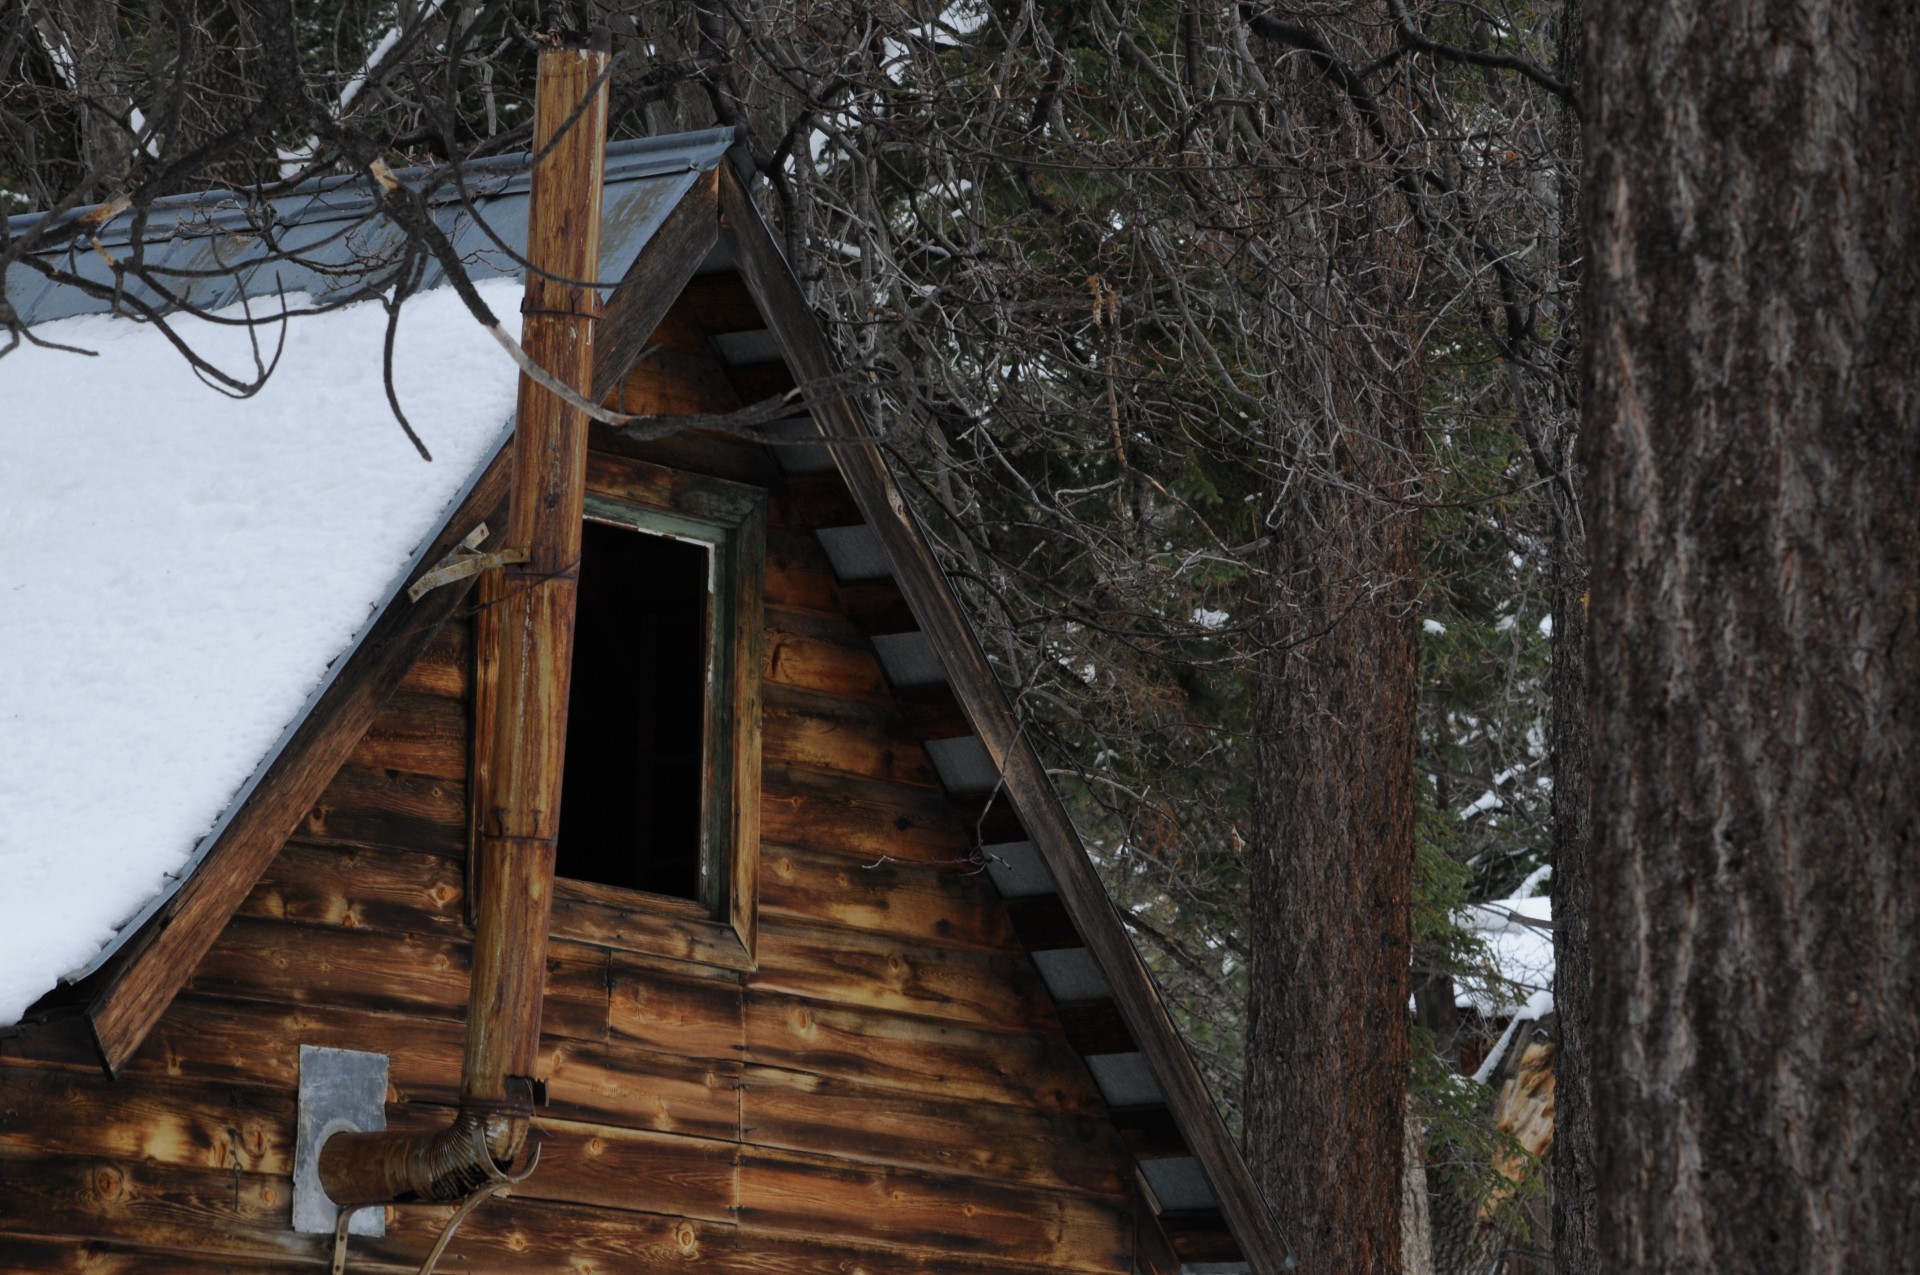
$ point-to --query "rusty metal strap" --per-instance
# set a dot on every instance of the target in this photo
(462, 562)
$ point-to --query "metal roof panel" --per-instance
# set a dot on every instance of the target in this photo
(328, 236)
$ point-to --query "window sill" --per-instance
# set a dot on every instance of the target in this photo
(650, 924)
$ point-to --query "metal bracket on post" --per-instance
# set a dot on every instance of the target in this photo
(341, 1091)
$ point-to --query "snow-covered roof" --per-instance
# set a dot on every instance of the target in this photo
(180, 570)
(1518, 933)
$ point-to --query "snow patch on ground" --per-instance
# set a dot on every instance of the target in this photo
(177, 571)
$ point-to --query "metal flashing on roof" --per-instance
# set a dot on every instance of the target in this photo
(328, 238)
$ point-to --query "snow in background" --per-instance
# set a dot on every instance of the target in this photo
(1522, 953)
(177, 571)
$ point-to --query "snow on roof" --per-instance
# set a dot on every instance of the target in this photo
(1519, 937)
(179, 570)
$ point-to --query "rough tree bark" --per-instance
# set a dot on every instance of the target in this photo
(1332, 878)
(1753, 462)
(1573, 1151)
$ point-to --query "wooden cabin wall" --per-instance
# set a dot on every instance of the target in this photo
(888, 1091)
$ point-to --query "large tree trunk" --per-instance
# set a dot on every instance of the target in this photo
(1753, 448)
(1573, 1149)
(1332, 876)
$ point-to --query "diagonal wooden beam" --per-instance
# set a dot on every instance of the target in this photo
(155, 963)
(921, 580)
(654, 282)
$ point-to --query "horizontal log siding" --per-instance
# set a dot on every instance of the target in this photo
(889, 1090)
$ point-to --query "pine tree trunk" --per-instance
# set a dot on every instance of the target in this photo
(1328, 1021)
(1573, 1237)
(1753, 464)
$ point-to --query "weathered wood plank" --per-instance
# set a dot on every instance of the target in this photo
(364, 889)
(159, 958)
(931, 711)
(675, 1008)
(947, 907)
(943, 1060)
(653, 925)
(871, 1125)
(419, 734)
(846, 967)
(645, 482)
(443, 668)
(230, 1212)
(247, 1216)
(878, 606)
(811, 653)
(669, 383)
(64, 1043)
(786, 1191)
(228, 1042)
(799, 577)
(1153, 1253)
(802, 502)
(503, 1239)
(40, 1255)
(1200, 1235)
(653, 282)
(368, 807)
(861, 819)
(722, 303)
(778, 1253)
(849, 737)
(146, 1119)
(695, 451)
(610, 1167)
(288, 963)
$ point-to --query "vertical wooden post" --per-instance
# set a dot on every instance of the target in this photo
(536, 610)
(532, 629)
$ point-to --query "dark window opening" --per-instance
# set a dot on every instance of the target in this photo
(632, 798)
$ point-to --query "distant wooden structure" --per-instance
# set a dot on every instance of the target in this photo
(883, 1018)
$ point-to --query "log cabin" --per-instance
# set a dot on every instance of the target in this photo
(820, 976)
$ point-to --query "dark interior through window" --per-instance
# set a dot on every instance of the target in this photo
(630, 801)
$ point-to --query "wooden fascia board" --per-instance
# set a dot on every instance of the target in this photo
(653, 282)
(153, 966)
(157, 962)
(920, 578)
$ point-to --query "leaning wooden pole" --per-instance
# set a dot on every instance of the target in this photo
(526, 739)
(529, 731)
